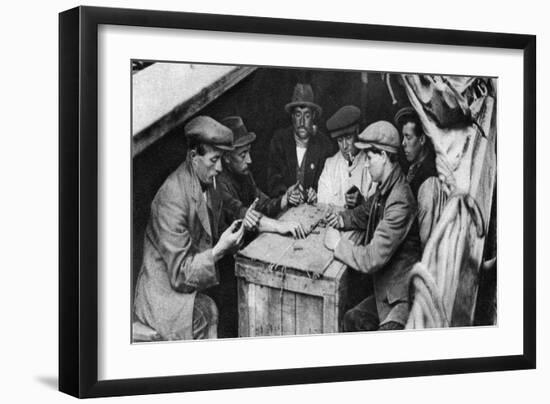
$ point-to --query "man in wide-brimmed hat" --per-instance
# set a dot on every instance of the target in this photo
(297, 153)
(240, 192)
(392, 244)
(345, 180)
(184, 241)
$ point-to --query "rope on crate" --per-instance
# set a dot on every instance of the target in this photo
(434, 280)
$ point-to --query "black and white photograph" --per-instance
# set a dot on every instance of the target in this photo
(275, 201)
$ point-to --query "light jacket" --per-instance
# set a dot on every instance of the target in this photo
(338, 177)
(177, 254)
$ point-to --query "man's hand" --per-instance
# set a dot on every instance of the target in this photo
(334, 220)
(229, 241)
(294, 195)
(294, 228)
(332, 238)
(311, 196)
(353, 199)
(251, 220)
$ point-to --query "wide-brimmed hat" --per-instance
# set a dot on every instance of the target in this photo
(210, 131)
(241, 136)
(381, 135)
(344, 121)
(303, 97)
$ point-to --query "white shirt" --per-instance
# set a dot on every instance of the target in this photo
(338, 177)
(300, 152)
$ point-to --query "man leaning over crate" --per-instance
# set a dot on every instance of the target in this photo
(183, 242)
(392, 244)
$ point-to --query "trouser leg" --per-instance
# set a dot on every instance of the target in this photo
(205, 317)
(363, 317)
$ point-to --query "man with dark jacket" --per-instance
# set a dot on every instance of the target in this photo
(422, 173)
(298, 153)
(392, 243)
(417, 147)
(242, 195)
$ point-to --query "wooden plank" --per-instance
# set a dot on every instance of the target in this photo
(256, 272)
(309, 314)
(330, 314)
(186, 108)
(274, 312)
(243, 307)
(288, 320)
(261, 310)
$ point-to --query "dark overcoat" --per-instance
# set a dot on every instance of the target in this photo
(283, 161)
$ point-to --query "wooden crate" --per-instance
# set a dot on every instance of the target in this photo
(307, 297)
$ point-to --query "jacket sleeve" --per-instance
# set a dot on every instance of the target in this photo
(233, 208)
(189, 266)
(275, 168)
(357, 218)
(399, 215)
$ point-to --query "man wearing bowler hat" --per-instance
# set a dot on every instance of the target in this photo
(391, 244)
(183, 241)
(298, 153)
(345, 180)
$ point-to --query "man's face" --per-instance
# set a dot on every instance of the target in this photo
(239, 160)
(346, 145)
(412, 144)
(208, 165)
(302, 122)
(375, 165)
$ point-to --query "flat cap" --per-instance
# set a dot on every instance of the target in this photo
(209, 131)
(381, 135)
(404, 113)
(344, 121)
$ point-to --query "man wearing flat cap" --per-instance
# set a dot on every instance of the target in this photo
(345, 180)
(298, 153)
(183, 241)
(391, 244)
(422, 173)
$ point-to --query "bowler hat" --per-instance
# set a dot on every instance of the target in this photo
(344, 121)
(241, 136)
(303, 97)
(209, 131)
(381, 135)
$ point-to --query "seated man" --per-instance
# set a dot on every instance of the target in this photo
(240, 190)
(345, 180)
(391, 244)
(182, 242)
(297, 153)
(422, 174)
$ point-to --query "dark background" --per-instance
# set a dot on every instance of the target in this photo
(260, 99)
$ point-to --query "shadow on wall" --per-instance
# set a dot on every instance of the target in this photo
(259, 100)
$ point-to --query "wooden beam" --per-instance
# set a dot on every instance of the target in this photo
(176, 111)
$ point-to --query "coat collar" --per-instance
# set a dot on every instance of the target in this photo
(214, 201)
(388, 184)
